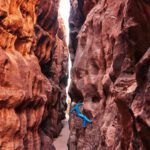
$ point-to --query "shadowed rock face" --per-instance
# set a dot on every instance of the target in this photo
(31, 95)
(111, 76)
(52, 53)
(78, 13)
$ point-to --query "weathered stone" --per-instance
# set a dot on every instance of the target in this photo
(52, 52)
(111, 75)
(27, 103)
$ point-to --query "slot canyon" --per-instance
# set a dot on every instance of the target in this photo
(107, 49)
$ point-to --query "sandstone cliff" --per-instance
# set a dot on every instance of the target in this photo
(52, 53)
(111, 74)
(78, 13)
(33, 73)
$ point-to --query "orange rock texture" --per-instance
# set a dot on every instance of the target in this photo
(111, 74)
(33, 74)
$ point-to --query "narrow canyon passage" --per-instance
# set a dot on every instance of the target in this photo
(99, 60)
(33, 74)
(61, 141)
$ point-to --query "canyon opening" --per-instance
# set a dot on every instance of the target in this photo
(74, 75)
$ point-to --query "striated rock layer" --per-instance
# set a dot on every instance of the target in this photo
(31, 97)
(111, 75)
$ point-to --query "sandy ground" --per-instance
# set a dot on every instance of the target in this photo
(61, 142)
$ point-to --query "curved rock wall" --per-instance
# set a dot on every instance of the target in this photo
(52, 53)
(110, 75)
(31, 95)
(78, 13)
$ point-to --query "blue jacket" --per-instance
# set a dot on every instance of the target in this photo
(80, 115)
(76, 108)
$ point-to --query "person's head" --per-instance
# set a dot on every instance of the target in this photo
(73, 104)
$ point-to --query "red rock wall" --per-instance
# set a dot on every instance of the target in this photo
(110, 74)
(78, 13)
(52, 53)
(32, 96)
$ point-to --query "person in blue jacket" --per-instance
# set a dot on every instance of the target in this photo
(80, 115)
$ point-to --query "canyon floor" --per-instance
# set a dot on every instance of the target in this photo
(60, 143)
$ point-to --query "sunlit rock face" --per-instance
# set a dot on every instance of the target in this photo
(31, 95)
(111, 74)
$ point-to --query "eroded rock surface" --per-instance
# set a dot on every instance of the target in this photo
(52, 53)
(31, 95)
(78, 13)
(111, 76)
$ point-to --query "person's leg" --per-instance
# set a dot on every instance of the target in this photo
(84, 123)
